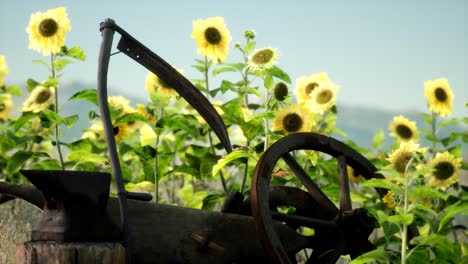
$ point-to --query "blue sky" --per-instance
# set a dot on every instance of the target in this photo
(379, 52)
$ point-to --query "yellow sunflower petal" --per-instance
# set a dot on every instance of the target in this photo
(306, 84)
(47, 30)
(323, 97)
(403, 129)
(6, 104)
(439, 96)
(292, 119)
(212, 38)
(400, 157)
(39, 99)
(445, 168)
(262, 59)
(3, 69)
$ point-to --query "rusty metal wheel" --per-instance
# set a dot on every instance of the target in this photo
(338, 231)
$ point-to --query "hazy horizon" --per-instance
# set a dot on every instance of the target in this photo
(380, 53)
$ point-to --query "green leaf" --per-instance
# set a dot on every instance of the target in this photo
(233, 113)
(31, 84)
(25, 117)
(187, 170)
(85, 156)
(51, 82)
(449, 212)
(76, 52)
(6, 144)
(251, 90)
(372, 256)
(17, 160)
(238, 66)
(379, 140)
(427, 118)
(60, 64)
(161, 100)
(237, 154)
(420, 192)
(249, 46)
(48, 164)
(207, 164)
(70, 120)
(418, 255)
(49, 117)
(280, 74)
(449, 122)
(440, 245)
(382, 183)
(82, 144)
(448, 140)
(86, 95)
(199, 68)
(129, 118)
(223, 69)
(41, 62)
(186, 123)
(268, 83)
(14, 90)
(420, 207)
(401, 219)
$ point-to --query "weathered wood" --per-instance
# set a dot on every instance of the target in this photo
(45, 252)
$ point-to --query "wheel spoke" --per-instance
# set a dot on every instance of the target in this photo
(304, 221)
(345, 198)
(311, 187)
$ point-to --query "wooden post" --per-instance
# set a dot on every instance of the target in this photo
(47, 252)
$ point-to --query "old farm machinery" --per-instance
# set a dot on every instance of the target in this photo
(77, 208)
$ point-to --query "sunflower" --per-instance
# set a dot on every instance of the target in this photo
(120, 103)
(154, 84)
(306, 84)
(47, 30)
(400, 157)
(39, 99)
(141, 109)
(353, 175)
(439, 96)
(445, 170)
(389, 199)
(295, 118)
(323, 97)
(94, 132)
(262, 59)
(3, 69)
(212, 38)
(403, 129)
(5, 106)
(280, 91)
(120, 131)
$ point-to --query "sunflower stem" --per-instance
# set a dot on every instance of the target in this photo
(156, 161)
(210, 138)
(404, 235)
(246, 170)
(433, 126)
(56, 110)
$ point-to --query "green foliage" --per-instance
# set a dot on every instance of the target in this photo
(167, 149)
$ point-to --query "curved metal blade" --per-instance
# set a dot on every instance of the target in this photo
(150, 60)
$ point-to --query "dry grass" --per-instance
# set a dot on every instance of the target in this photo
(16, 220)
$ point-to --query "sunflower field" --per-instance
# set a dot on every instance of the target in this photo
(168, 150)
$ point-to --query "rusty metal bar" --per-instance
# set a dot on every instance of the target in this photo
(345, 197)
